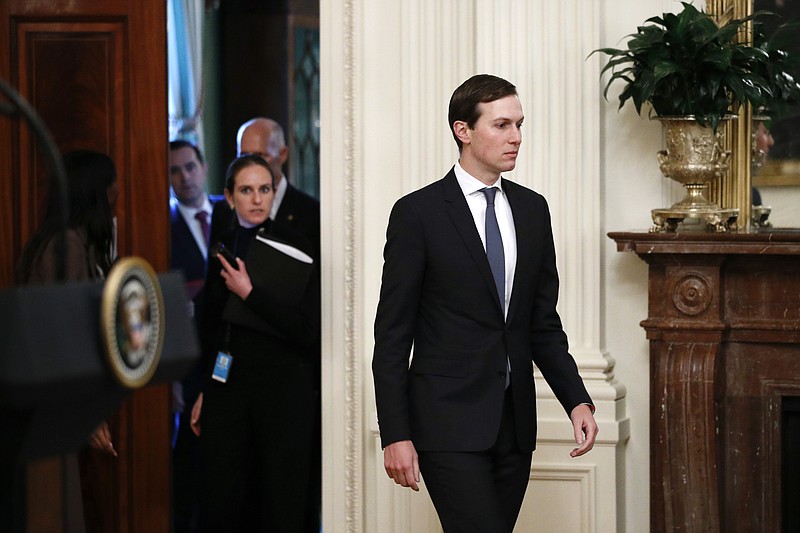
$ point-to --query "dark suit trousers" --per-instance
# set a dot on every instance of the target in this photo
(479, 492)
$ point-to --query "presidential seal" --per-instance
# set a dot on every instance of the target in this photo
(132, 321)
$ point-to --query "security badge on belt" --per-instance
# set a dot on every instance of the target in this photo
(222, 366)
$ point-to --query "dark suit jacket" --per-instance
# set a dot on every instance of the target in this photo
(300, 212)
(185, 255)
(438, 294)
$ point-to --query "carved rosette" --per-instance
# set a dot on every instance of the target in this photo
(692, 294)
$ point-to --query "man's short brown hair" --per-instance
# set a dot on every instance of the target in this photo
(481, 88)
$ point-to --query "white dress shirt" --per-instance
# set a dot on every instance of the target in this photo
(476, 200)
(280, 192)
(188, 214)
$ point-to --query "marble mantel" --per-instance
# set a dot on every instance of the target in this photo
(724, 329)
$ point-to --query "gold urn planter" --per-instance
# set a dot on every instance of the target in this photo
(694, 157)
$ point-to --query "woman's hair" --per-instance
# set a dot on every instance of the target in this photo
(242, 162)
(89, 175)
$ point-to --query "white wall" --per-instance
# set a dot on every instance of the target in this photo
(388, 69)
(785, 204)
(632, 186)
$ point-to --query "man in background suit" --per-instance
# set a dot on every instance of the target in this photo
(190, 213)
(190, 223)
(292, 207)
(464, 412)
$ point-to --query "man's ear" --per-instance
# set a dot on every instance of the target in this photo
(283, 155)
(461, 131)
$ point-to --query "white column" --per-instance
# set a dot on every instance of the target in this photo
(342, 370)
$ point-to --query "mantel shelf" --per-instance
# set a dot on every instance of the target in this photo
(782, 242)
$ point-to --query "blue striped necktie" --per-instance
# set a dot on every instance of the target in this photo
(494, 246)
(497, 257)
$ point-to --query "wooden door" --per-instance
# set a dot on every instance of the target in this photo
(96, 73)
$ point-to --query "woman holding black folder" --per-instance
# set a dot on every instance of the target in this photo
(257, 407)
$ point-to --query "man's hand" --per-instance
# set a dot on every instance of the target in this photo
(401, 463)
(585, 429)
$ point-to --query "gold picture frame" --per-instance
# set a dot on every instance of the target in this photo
(778, 173)
(782, 167)
(132, 321)
(736, 190)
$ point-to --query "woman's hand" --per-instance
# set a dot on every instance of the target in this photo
(237, 281)
(100, 439)
(194, 421)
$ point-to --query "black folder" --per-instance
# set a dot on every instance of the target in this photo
(277, 267)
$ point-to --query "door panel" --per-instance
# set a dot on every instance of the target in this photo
(96, 73)
(71, 74)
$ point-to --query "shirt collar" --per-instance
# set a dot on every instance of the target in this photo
(189, 212)
(470, 184)
(280, 192)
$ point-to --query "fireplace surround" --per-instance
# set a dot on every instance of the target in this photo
(790, 464)
(724, 329)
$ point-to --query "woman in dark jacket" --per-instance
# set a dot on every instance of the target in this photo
(93, 191)
(89, 252)
(257, 420)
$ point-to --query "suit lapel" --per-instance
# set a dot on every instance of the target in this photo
(183, 232)
(457, 208)
(286, 210)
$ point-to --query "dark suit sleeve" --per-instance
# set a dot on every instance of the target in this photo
(548, 341)
(300, 212)
(401, 286)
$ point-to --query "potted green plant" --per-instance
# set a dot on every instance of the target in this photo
(781, 71)
(693, 74)
(683, 64)
(781, 105)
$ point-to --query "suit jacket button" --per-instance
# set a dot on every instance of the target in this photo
(502, 374)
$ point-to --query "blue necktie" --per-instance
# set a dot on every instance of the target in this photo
(497, 257)
(494, 247)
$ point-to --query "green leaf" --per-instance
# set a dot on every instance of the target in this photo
(682, 63)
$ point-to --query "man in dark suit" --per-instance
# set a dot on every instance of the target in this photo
(470, 281)
(292, 207)
(190, 213)
(190, 219)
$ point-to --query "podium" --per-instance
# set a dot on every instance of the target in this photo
(56, 383)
